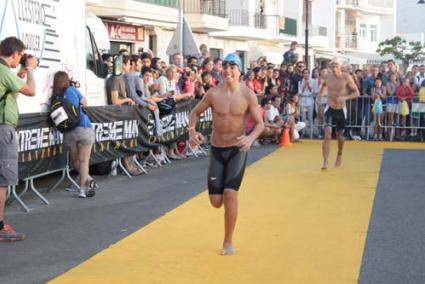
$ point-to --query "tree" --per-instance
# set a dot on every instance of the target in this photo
(402, 50)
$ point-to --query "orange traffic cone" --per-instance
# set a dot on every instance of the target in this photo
(285, 141)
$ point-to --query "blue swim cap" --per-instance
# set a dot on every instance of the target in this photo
(233, 58)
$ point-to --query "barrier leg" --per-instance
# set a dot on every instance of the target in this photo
(203, 151)
(123, 168)
(193, 151)
(165, 156)
(17, 198)
(140, 166)
(37, 192)
(68, 176)
(151, 154)
(62, 178)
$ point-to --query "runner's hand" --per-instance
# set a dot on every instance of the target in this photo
(244, 143)
(195, 139)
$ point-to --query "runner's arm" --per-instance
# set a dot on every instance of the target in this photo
(255, 112)
(353, 88)
(321, 92)
(202, 106)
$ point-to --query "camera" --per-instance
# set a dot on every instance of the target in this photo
(25, 57)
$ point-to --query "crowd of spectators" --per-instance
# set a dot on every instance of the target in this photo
(287, 93)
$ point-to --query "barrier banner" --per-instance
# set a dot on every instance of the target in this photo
(40, 146)
(119, 131)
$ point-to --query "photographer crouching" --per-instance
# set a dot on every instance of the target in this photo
(11, 54)
(80, 138)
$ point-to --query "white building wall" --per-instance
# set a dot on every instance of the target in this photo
(387, 30)
(410, 16)
(365, 43)
(292, 9)
(324, 15)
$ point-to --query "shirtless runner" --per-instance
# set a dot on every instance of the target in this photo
(341, 88)
(230, 102)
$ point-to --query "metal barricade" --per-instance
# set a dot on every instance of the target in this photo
(365, 122)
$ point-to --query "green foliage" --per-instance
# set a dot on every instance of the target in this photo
(402, 50)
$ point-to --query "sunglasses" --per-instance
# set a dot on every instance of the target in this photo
(226, 63)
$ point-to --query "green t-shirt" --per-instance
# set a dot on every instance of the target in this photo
(9, 82)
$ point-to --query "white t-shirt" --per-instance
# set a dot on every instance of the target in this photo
(272, 113)
(165, 85)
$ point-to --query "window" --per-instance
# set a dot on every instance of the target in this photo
(373, 33)
(93, 59)
(89, 53)
(216, 53)
(362, 30)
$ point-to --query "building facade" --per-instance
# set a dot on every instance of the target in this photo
(254, 28)
(408, 23)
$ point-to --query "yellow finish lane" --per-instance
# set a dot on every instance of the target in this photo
(297, 224)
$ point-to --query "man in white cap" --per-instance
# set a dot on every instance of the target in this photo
(230, 102)
(338, 84)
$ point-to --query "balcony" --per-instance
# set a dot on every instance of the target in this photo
(346, 41)
(208, 7)
(149, 13)
(318, 35)
(206, 15)
(355, 43)
(272, 25)
(347, 3)
(165, 3)
(367, 6)
(239, 18)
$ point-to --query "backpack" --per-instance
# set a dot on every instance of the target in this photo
(64, 115)
(166, 107)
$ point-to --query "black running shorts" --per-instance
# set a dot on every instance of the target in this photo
(227, 167)
(335, 117)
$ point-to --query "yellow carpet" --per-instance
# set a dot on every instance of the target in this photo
(297, 224)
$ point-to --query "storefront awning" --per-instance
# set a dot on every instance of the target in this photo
(346, 58)
(273, 53)
(370, 58)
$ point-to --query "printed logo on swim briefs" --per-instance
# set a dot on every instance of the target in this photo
(213, 178)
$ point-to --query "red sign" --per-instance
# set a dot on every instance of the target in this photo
(122, 32)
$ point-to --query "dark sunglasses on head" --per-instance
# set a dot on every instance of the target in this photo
(225, 63)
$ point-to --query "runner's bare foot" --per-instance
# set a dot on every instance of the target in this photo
(338, 160)
(325, 165)
(227, 250)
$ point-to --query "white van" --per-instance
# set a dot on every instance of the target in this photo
(60, 34)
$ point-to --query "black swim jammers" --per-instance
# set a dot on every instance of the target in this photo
(227, 167)
(335, 117)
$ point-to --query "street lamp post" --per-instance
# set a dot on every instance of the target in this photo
(306, 33)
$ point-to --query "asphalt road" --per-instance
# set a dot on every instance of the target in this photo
(70, 230)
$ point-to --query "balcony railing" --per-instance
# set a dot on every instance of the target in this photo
(347, 41)
(165, 3)
(210, 7)
(381, 3)
(348, 2)
(314, 30)
(365, 3)
(239, 17)
(275, 24)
